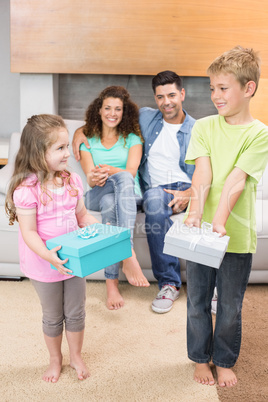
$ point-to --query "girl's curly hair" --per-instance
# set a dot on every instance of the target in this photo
(130, 120)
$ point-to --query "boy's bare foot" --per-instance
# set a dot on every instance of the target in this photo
(52, 373)
(203, 374)
(114, 298)
(226, 377)
(78, 364)
(133, 272)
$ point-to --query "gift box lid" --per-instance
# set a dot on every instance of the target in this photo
(99, 236)
(196, 239)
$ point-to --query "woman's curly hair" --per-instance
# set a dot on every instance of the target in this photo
(130, 120)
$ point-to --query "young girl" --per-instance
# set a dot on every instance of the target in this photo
(47, 201)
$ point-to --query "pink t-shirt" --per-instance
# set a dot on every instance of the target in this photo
(55, 218)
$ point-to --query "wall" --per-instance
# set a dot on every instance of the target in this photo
(76, 91)
(9, 82)
(132, 37)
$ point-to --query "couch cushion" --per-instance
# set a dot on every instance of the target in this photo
(73, 165)
(262, 188)
(262, 218)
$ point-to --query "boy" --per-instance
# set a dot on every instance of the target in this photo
(230, 153)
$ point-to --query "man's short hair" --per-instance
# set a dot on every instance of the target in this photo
(167, 77)
(242, 62)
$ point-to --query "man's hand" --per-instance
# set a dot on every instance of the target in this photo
(180, 200)
(78, 139)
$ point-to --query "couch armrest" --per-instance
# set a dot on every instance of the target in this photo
(7, 171)
(5, 176)
(14, 145)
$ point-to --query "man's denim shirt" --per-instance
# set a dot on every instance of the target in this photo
(151, 123)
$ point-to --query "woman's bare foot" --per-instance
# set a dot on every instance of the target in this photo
(203, 374)
(52, 373)
(114, 298)
(133, 272)
(78, 364)
(226, 377)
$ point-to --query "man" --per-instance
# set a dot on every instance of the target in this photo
(165, 178)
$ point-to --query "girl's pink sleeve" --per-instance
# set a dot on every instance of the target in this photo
(24, 197)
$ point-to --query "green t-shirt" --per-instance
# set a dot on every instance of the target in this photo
(115, 156)
(229, 146)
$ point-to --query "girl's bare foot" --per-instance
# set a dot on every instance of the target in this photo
(78, 364)
(226, 377)
(53, 371)
(114, 298)
(203, 374)
(133, 272)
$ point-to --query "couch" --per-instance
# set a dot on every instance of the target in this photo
(9, 257)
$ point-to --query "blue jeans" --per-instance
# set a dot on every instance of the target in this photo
(166, 268)
(117, 202)
(232, 278)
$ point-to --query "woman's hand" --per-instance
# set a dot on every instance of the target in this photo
(99, 175)
(57, 262)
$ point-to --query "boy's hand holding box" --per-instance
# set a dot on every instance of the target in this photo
(199, 245)
(92, 248)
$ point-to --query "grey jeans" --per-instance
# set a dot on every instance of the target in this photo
(62, 301)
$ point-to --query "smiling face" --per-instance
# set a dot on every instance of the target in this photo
(229, 97)
(58, 153)
(169, 101)
(111, 112)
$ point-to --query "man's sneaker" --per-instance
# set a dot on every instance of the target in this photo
(165, 298)
(214, 301)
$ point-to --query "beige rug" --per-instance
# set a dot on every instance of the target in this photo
(133, 354)
(252, 366)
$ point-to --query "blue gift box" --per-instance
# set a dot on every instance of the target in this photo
(92, 248)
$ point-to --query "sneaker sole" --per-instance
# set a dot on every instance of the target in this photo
(160, 310)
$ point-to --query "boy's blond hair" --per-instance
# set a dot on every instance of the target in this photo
(242, 62)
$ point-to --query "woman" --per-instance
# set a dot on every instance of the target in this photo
(110, 165)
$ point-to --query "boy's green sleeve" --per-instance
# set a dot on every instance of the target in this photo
(198, 145)
(255, 158)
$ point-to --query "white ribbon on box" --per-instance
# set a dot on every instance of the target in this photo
(205, 233)
(87, 232)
